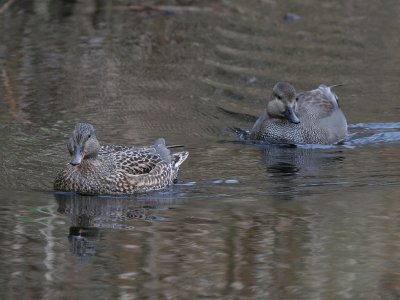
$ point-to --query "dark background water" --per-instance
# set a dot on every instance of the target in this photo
(246, 221)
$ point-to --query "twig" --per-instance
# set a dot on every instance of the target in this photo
(164, 8)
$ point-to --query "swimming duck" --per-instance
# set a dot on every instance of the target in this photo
(112, 169)
(312, 117)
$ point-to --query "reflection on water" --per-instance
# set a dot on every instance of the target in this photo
(83, 242)
(88, 214)
(291, 169)
(290, 160)
(86, 211)
(246, 221)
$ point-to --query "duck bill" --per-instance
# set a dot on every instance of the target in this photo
(77, 156)
(291, 115)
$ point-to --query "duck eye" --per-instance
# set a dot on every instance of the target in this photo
(89, 136)
(279, 97)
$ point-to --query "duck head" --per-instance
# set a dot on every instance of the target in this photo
(283, 103)
(83, 143)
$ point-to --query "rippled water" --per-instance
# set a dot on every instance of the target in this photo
(246, 221)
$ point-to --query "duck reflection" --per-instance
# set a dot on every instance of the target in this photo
(83, 242)
(293, 168)
(284, 160)
(88, 214)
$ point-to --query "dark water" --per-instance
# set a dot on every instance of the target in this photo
(246, 221)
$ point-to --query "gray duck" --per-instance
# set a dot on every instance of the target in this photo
(311, 117)
(113, 169)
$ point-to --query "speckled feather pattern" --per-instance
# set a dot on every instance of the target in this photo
(321, 121)
(121, 170)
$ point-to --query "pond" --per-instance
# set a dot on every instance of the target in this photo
(245, 221)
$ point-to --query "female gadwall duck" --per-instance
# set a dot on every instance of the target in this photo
(112, 169)
(312, 117)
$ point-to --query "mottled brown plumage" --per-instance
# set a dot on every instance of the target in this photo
(312, 117)
(113, 169)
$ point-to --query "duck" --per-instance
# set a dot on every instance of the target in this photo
(311, 117)
(115, 169)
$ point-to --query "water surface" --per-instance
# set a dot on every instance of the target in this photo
(246, 221)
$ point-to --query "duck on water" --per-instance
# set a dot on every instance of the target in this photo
(112, 169)
(311, 117)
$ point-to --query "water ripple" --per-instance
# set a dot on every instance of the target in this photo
(389, 125)
(381, 137)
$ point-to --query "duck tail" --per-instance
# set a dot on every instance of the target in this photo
(175, 160)
(178, 158)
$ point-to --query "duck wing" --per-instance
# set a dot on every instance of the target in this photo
(136, 162)
(158, 147)
(107, 149)
(321, 102)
